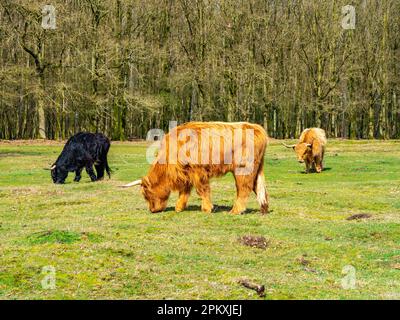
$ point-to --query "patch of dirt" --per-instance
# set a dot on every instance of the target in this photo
(254, 241)
(396, 266)
(359, 216)
(260, 289)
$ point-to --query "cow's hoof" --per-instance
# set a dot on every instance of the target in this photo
(179, 209)
(264, 210)
(236, 212)
(207, 209)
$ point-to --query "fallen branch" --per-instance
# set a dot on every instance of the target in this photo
(260, 289)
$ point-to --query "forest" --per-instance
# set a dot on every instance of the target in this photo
(124, 67)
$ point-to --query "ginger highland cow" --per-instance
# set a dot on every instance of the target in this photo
(193, 153)
(311, 149)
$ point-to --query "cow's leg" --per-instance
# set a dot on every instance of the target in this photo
(108, 170)
(100, 171)
(244, 186)
(204, 191)
(314, 166)
(183, 199)
(308, 166)
(78, 175)
(318, 164)
(90, 171)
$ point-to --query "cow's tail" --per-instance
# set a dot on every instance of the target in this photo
(102, 154)
(261, 189)
(108, 170)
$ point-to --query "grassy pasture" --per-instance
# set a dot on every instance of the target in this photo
(104, 243)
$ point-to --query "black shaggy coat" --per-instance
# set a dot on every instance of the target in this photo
(82, 150)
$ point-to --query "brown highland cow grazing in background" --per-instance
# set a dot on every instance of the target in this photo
(193, 153)
(311, 149)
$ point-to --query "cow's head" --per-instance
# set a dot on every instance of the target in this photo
(302, 150)
(58, 173)
(156, 194)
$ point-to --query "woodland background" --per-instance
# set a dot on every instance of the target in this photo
(124, 67)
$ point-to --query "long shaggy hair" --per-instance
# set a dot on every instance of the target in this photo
(311, 149)
(311, 135)
(193, 153)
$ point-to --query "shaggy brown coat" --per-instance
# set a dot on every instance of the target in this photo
(195, 165)
(311, 149)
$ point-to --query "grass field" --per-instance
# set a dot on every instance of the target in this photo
(103, 243)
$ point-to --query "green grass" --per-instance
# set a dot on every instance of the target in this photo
(104, 243)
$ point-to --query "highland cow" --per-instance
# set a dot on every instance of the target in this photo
(82, 150)
(193, 153)
(311, 149)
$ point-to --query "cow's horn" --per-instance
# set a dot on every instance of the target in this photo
(288, 146)
(52, 167)
(131, 184)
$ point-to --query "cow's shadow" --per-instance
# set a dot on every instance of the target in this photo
(313, 171)
(216, 209)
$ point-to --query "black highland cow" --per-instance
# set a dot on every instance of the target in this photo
(82, 150)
